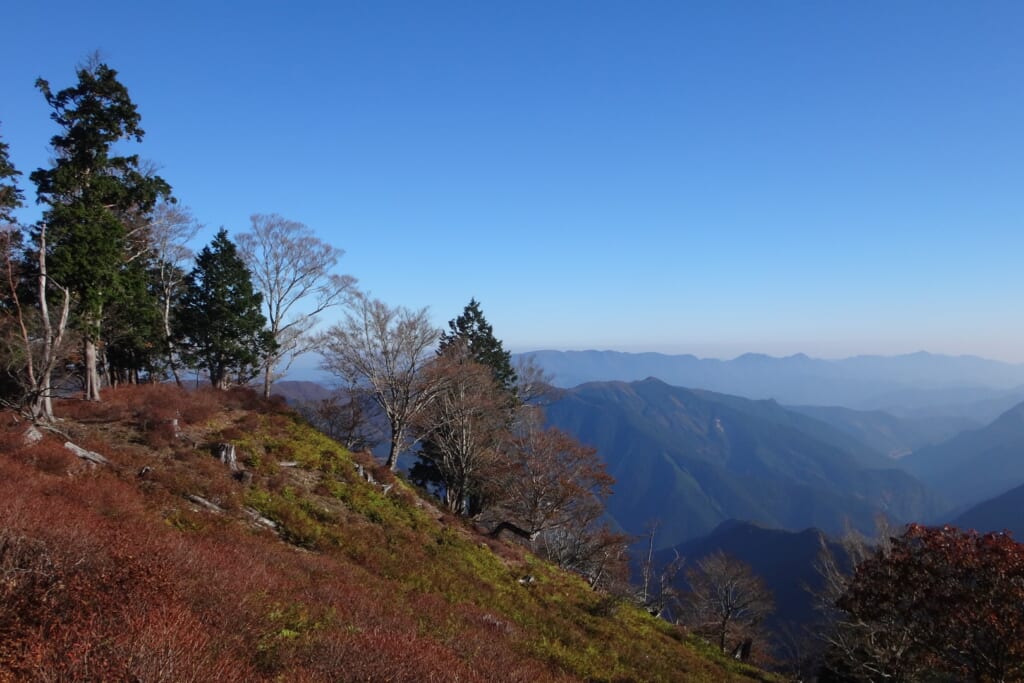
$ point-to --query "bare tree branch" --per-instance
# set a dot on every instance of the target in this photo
(289, 264)
(384, 350)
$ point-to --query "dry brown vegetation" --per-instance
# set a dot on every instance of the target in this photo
(112, 573)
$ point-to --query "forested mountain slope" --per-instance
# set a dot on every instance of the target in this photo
(694, 459)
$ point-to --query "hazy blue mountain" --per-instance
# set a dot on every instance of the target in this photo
(295, 391)
(785, 560)
(1002, 513)
(975, 465)
(886, 433)
(694, 459)
(977, 404)
(936, 384)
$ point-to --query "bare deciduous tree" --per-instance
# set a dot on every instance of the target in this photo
(170, 228)
(555, 481)
(657, 587)
(726, 602)
(343, 417)
(533, 384)
(384, 350)
(291, 265)
(466, 426)
(41, 348)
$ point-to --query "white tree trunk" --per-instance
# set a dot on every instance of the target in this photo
(92, 375)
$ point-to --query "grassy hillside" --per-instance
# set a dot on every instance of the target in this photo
(163, 565)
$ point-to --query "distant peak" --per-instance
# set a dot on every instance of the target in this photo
(753, 356)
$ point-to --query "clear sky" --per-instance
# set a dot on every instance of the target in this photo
(708, 177)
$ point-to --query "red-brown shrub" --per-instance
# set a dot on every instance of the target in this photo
(200, 406)
(89, 411)
(383, 474)
(244, 398)
(50, 456)
(161, 435)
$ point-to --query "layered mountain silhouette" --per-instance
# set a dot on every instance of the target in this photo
(918, 384)
(975, 465)
(887, 433)
(1002, 513)
(298, 391)
(694, 459)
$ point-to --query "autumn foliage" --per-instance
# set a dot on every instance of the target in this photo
(939, 601)
(115, 573)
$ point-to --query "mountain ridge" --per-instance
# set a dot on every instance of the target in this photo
(708, 457)
(977, 464)
(911, 382)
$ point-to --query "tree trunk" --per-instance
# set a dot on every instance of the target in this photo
(42, 404)
(92, 375)
(396, 446)
(168, 337)
(268, 371)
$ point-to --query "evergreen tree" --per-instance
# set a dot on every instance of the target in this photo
(219, 324)
(11, 196)
(472, 329)
(90, 193)
(133, 332)
(11, 353)
(471, 337)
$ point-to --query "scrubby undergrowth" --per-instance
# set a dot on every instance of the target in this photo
(119, 573)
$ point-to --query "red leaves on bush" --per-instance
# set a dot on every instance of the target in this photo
(952, 599)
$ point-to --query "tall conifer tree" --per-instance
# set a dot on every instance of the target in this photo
(90, 191)
(472, 329)
(219, 324)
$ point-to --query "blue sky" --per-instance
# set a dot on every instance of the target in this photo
(712, 178)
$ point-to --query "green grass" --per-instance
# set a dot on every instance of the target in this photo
(328, 508)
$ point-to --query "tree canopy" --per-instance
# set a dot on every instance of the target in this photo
(289, 265)
(219, 324)
(11, 196)
(90, 192)
(472, 329)
(936, 600)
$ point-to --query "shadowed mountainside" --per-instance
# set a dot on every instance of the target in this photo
(1002, 513)
(694, 459)
(975, 465)
(894, 436)
(785, 560)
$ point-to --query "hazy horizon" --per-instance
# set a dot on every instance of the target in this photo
(834, 179)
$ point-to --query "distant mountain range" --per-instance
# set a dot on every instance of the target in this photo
(887, 433)
(297, 391)
(918, 384)
(974, 465)
(694, 459)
